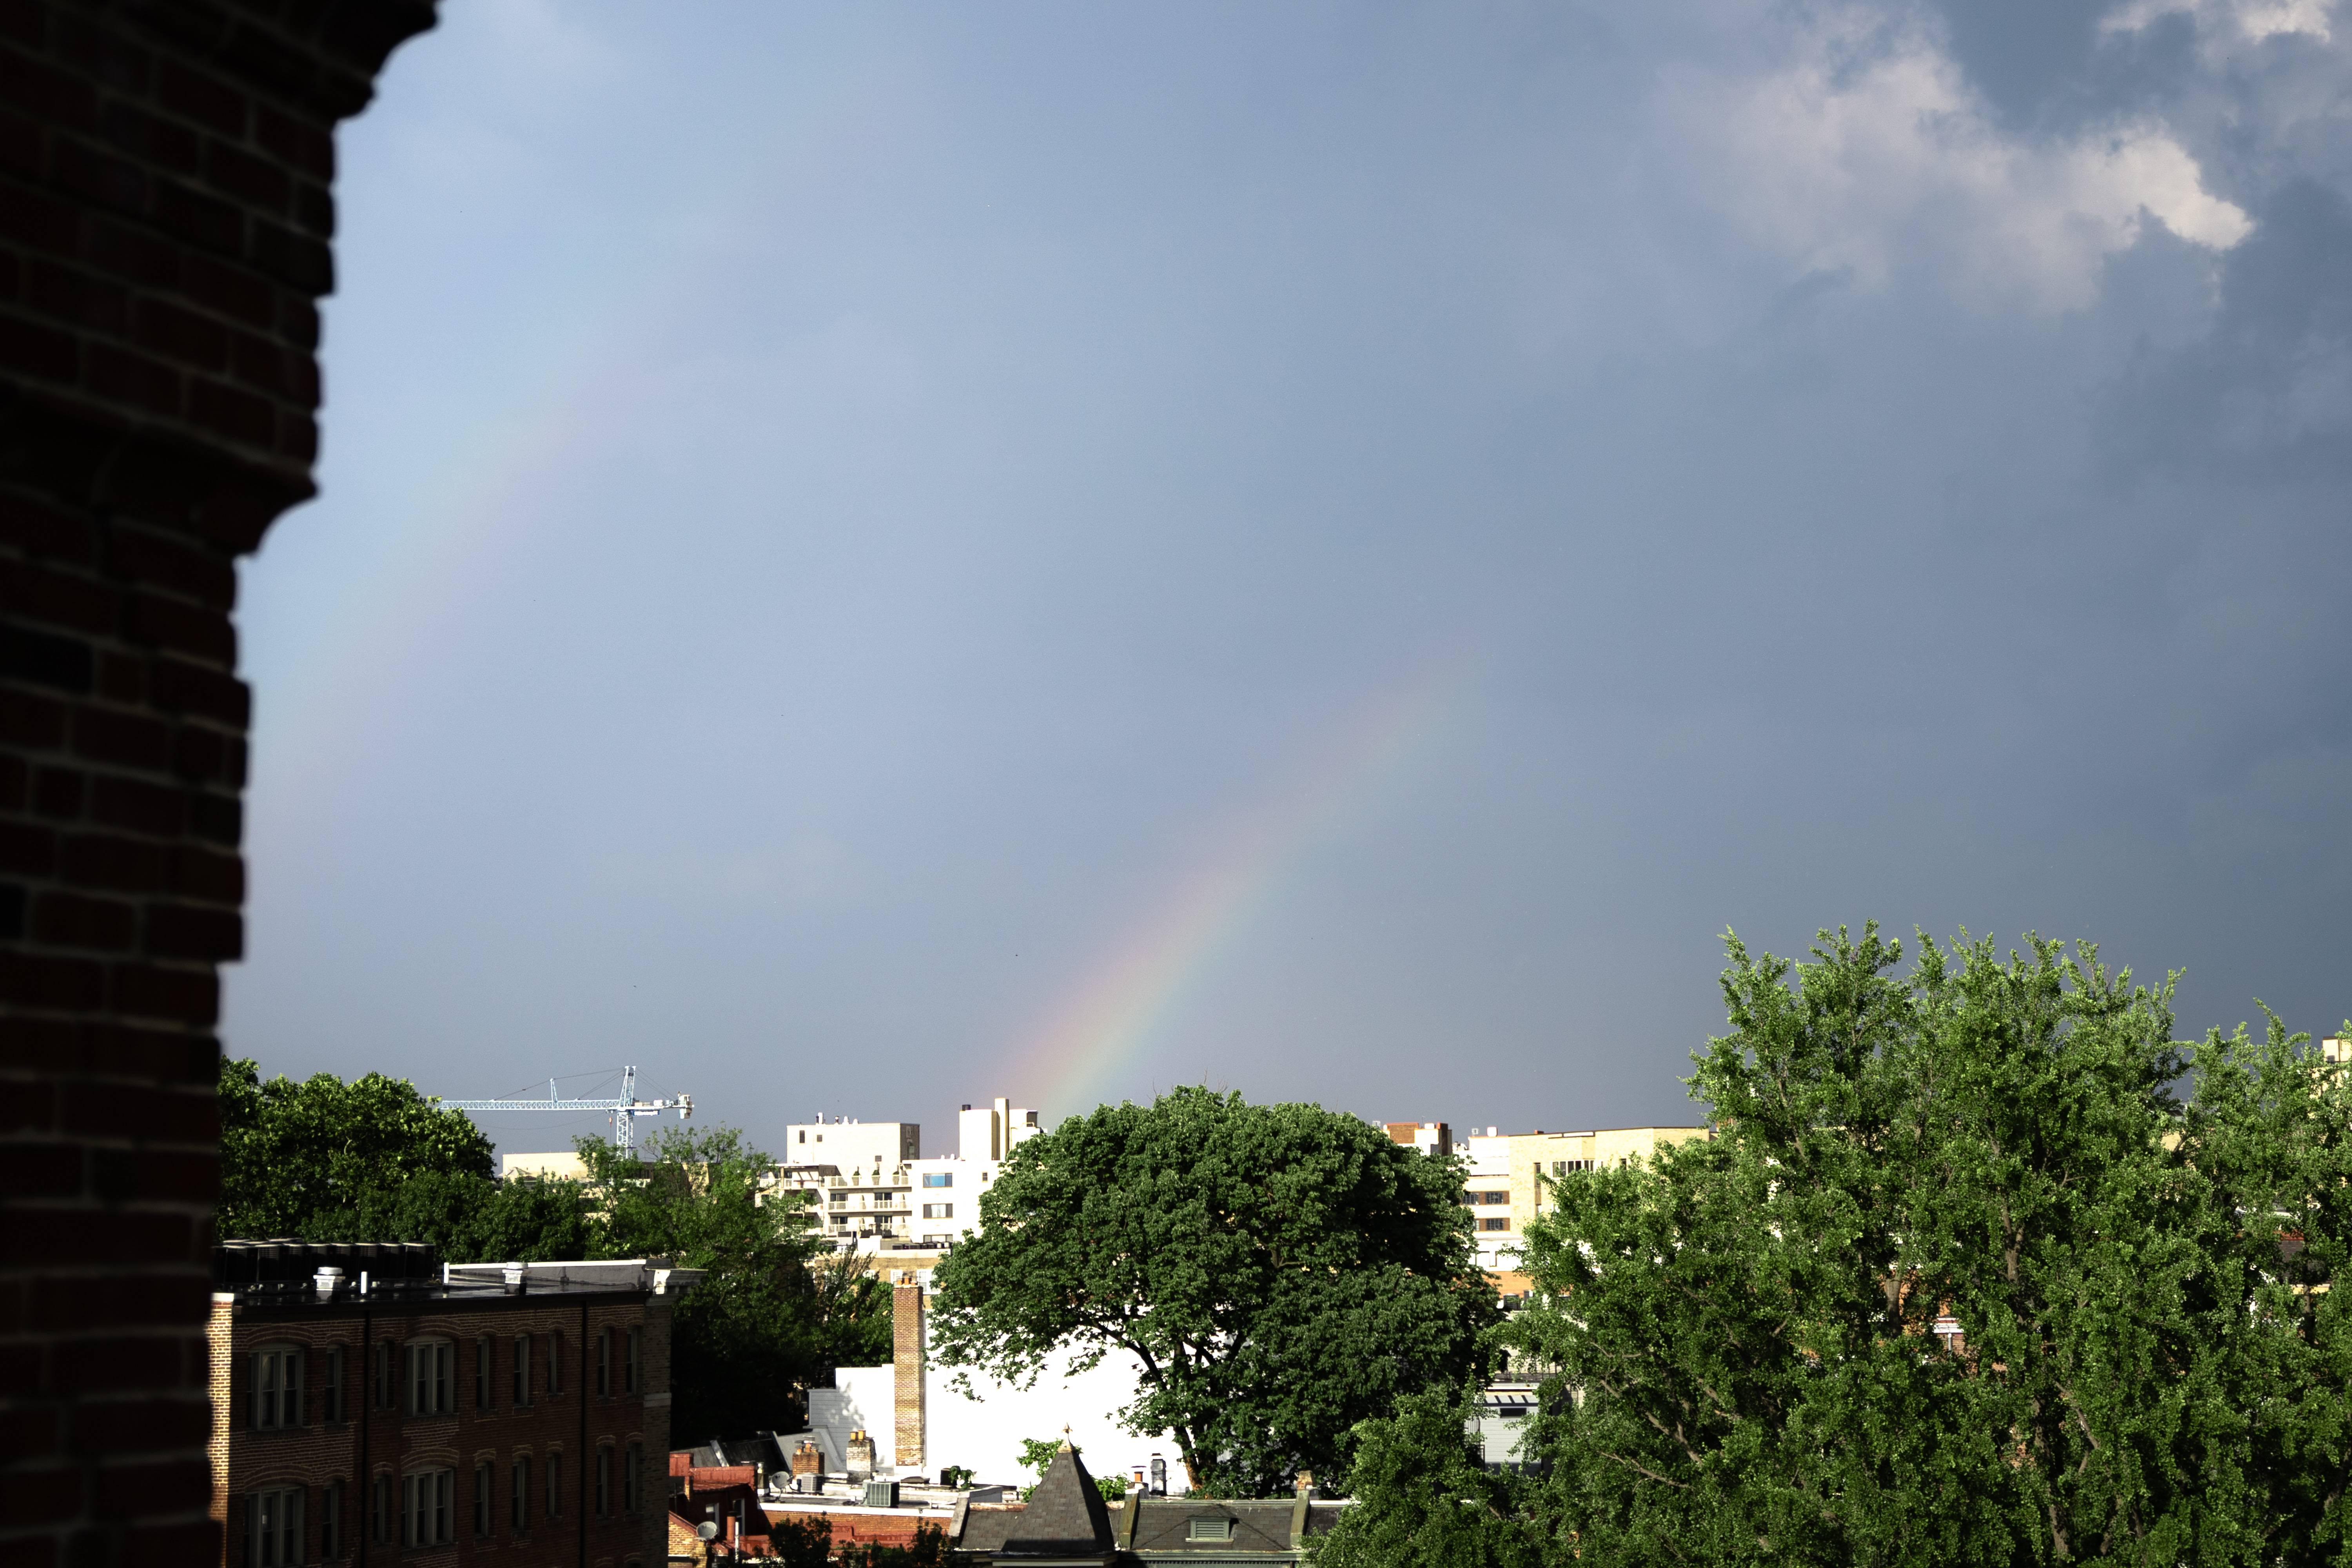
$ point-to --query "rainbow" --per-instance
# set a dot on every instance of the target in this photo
(1102, 1024)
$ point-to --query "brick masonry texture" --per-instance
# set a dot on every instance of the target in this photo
(165, 219)
(907, 1374)
(567, 1418)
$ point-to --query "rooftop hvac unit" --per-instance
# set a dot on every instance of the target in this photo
(881, 1494)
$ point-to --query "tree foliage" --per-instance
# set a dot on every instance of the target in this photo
(2144, 1371)
(373, 1160)
(324, 1160)
(1278, 1272)
(1424, 1500)
(744, 1340)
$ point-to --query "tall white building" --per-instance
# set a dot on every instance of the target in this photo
(947, 1191)
(859, 1176)
(871, 1190)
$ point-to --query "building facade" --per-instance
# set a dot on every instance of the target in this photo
(372, 1406)
(1511, 1173)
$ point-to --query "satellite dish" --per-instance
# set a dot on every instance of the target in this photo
(708, 1529)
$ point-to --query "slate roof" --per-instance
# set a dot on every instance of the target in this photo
(1165, 1524)
(1067, 1515)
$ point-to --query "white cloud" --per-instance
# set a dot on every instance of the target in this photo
(1867, 150)
(2248, 20)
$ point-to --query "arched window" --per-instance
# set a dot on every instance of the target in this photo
(276, 1387)
(632, 1466)
(605, 1482)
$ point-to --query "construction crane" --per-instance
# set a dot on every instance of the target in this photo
(625, 1111)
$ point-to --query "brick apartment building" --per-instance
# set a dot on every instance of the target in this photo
(370, 1406)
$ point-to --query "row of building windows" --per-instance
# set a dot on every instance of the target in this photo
(421, 1508)
(416, 1377)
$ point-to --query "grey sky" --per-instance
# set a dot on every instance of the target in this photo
(839, 520)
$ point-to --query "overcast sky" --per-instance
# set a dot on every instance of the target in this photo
(876, 557)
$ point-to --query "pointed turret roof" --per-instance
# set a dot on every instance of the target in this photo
(1065, 1517)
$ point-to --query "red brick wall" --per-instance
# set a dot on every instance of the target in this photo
(164, 227)
(573, 1421)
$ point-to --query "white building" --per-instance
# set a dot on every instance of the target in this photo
(871, 1191)
(947, 1191)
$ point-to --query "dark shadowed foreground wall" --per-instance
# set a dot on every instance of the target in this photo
(166, 216)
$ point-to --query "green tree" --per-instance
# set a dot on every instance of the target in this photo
(1277, 1272)
(1748, 1329)
(324, 1159)
(1424, 1500)
(743, 1342)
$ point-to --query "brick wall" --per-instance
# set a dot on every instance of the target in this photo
(564, 1416)
(907, 1374)
(164, 227)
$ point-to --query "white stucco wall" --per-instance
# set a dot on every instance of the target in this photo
(860, 1396)
(986, 1433)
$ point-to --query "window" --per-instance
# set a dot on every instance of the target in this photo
(938, 1211)
(555, 1486)
(939, 1178)
(523, 1371)
(603, 1483)
(629, 1361)
(429, 1376)
(603, 1365)
(484, 1369)
(1513, 1412)
(380, 1511)
(386, 1388)
(334, 1390)
(519, 1505)
(1563, 1167)
(554, 1364)
(631, 1464)
(277, 1388)
(331, 1521)
(935, 1241)
(273, 1527)
(1488, 1197)
(425, 1508)
(1495, 1223)
(484, 1521)
(1198, 1529)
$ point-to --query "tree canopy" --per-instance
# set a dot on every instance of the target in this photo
(1960, 1279)
(373, 1160)
(1278, 1272)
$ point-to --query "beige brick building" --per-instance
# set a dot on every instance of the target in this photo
(371, 1405)
(1509, 1172)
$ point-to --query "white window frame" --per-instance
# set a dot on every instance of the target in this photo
(1198, 1528)
(939, 1178)
(938, 1211)
(277, 1388)
(273, 1527)
(425, 1381)
(425, 1497)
